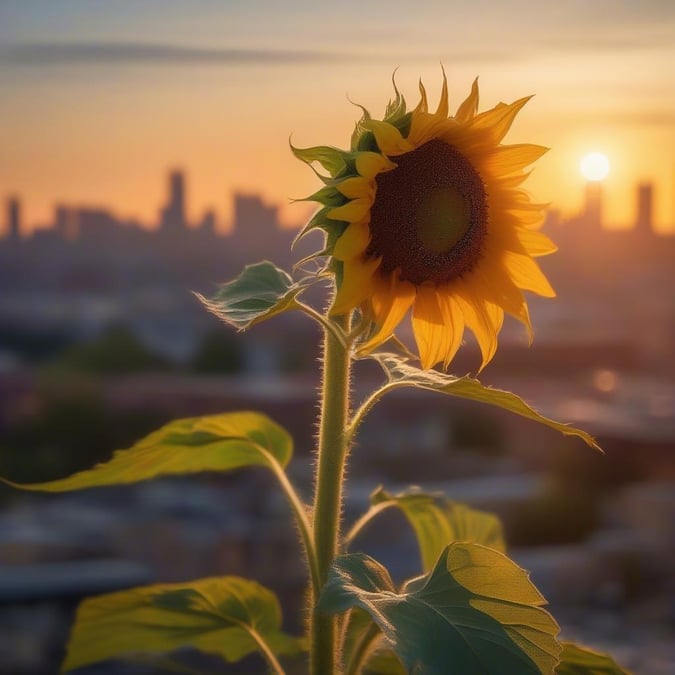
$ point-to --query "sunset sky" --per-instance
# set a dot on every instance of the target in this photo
(100, 98)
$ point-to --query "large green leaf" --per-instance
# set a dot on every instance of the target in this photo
(261, 291)
(577, 660)
(476, 613)
(402, 374)
(438, 521)
(213, 443)
(228, 616)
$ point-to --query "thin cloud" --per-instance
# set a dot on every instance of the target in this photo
(44, 54)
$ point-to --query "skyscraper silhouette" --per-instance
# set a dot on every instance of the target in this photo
(13, 219)
(173, 214)
(645, 199)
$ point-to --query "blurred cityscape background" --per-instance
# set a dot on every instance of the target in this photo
(102, 339)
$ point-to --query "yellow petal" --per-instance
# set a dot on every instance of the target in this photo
(356, 284)
(388, 137)
(526, 274)
(483, 317)
(499, 120)
(467, 109)
(535, 243)
(356, 187)
(389, 303)
(506, 159)
(513, 181)
(454, 322)
(431, 333)
(442, 110)
(353, 242)
(369, 164)
(423, 127)
(352, 211)
(422, 106)
(504, 292)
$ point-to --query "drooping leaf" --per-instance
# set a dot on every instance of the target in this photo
(476, 613)
(260, 292)
(438, 521)
(213, 443)
(402, 374)
(227, 616)
(577, 660)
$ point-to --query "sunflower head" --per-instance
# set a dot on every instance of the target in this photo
(425, 213)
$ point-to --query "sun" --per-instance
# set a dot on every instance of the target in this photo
(594, 166)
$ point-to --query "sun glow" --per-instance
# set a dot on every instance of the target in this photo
(594, 166)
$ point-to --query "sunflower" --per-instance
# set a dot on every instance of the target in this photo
(426, 213)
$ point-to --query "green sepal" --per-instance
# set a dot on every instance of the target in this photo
(578, 660)
(396, 108)
(402, 374)
(359, 128)
(438, 521)
(260, 292)
(328, 196)
(227, 616)
(331, 159)
(320, 220)
(476, 613)
(212, 443)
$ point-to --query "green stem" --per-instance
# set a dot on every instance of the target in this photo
(367, 405)
(301, 518)
(332, 455)
(362, 649)
(361, 523)
(272, 662)
(327, 324)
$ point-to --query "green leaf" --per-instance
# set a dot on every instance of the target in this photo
(261, 291)
(384, 662)
(438, 521)
(213, 443)
(476, 613)
(577, 660)
(227, 616)
(402, 374)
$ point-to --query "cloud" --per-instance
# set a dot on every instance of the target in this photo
(44, 54)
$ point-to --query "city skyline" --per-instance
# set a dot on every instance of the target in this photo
(250, 207)
(98, 99)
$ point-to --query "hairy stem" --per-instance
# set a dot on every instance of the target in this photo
(332, 454)
(327, 324)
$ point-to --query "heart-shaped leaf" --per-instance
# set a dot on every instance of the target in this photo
(258, 293)
(476, 613)
(402, 374)
(213, 443)
(227, 616)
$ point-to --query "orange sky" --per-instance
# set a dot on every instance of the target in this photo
(101, 125)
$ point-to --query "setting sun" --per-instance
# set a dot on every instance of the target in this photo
(594, 166)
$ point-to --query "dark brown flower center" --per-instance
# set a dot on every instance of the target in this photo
(430, 213)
